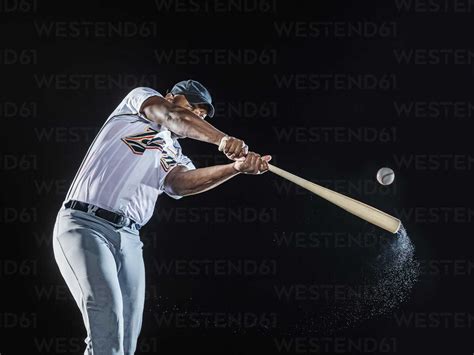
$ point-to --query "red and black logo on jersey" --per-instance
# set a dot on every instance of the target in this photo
(138, 143)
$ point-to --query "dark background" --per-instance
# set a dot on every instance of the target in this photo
(64, 70)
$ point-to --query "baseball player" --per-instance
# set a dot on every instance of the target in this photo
(133, 159)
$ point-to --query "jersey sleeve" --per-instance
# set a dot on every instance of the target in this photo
(132, 103)
(168, 162)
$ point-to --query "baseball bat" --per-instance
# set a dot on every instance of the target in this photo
(361, 210)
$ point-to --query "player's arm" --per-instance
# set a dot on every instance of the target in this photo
(183, 182)
(185, 123)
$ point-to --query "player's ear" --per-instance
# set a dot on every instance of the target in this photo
(169, 97)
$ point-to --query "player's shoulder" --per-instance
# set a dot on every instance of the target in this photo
(132, 103)
(142, 91)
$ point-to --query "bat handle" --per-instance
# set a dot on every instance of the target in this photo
(276, 170)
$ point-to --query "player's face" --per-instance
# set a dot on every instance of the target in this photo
(199, 110)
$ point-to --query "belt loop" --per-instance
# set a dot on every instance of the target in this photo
(92, 209)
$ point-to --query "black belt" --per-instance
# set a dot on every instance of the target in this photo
(110, 216)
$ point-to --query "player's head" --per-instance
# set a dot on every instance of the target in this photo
(192, 95)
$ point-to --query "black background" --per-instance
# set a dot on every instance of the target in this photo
(433, 200)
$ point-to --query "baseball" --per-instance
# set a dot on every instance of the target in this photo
(385, 176)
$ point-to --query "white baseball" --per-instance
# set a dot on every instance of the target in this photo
(385, 176)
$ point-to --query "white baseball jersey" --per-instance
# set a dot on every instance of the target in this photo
(126, 165)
